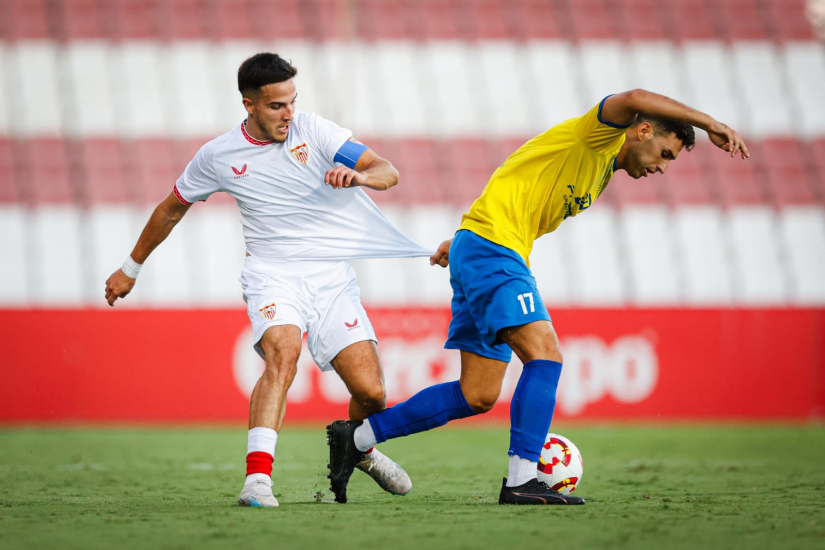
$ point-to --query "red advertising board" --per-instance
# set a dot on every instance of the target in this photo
(620, 364)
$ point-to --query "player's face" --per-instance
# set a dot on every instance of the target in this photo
(653, 153)
(273, 109)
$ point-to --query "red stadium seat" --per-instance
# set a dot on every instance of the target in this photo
(228, 19)
(181, 20)
(739, 19)
(789, 20)
(279, 19)
(789, 180)
(691, 18)
(421, 180)
(817, 167)
(625, 191)
(487, 19)
(100, 171)
(130, 20)
(43, 166)
(150, 171)
(591, 20)
(438, 20)
(501, 149)
(537, 19)
(9, 192)
(468, 163)
(740, 182)
(691, 179)
(80, 19)
(383, 20)
(24, 19)
(643, 20)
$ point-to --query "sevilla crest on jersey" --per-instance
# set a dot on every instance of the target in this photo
(301, 153)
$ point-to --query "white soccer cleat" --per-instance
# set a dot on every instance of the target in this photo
(386, 473)
(258, 494)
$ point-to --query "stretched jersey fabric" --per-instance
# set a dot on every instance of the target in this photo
(552, 177)
(287, 211)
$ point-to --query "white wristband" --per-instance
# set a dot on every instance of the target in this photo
(131, 268)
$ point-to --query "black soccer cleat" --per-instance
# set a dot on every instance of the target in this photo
(343, 455)
(534, 492)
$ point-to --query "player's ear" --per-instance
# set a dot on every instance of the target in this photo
(644, 131)
(249, 105)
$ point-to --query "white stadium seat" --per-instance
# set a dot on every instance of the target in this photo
(549, 262)
(166, 277)
(804, 63)
(190, 101)
(759, 81)
(229, 107)
(506, 101)
(553, 73)
(35, 89)
(110, 236)
(593, 250)
(451, 73)
(217, 255)
(654, 66)
(756, 257)
(406, 92)
(92, 112)
(58, 258)
(650, 250)
(386, 282)
(430, 226)
(15, 227)
(708, 76)
(140, 89)
(803, 234)
(605, 70)
(355, 90)
(313, 97)
(703, 253)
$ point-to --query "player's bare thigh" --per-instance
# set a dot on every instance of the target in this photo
(281, 345)
(481, 380)
(359, 366)
(536, 340)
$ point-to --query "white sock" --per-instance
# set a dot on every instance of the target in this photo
(260, 440)
(521, 471)
(365, 437)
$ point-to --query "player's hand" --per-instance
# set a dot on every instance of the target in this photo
(727, 139)
(341, 176)
(118, 285)
(442, 255)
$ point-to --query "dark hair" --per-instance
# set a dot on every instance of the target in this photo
(262, 69)
(664, 126)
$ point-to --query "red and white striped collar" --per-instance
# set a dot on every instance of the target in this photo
(251, 139)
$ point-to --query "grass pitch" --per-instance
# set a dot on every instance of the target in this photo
(663, 487)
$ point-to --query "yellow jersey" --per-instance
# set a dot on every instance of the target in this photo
(552, 177)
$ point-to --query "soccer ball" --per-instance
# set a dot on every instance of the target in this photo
(560, 464)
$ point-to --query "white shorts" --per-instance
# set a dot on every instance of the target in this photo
(319, 297)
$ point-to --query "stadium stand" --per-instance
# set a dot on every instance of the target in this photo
(102, 104)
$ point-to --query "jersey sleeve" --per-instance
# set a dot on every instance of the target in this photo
(328, 136)
(597, 134)
(199, 180)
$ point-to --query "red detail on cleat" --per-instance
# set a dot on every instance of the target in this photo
(368, 451)
(259, 463)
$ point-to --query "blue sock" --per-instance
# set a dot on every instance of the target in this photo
(531, 410)
(430, 408)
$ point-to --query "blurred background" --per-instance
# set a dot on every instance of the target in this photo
(692, 295)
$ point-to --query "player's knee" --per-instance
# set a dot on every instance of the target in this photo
(546, 348)
(482, 402)
(281, 363)
(373, 399)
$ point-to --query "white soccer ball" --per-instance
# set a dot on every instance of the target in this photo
(560, 464)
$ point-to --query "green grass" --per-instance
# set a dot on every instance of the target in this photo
(668, 487)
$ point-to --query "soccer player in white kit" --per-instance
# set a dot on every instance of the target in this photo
(296, 178)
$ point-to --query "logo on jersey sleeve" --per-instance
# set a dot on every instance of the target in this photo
(352, 325)
(301, 153)
(240, 173)
(268, 312)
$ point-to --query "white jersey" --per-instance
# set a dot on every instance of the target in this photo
(287, 211)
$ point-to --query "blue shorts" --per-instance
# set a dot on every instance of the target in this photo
(492, 289)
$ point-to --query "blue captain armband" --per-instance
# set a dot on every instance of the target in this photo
(350, 152)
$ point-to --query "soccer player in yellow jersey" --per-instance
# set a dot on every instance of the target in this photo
(496, 306)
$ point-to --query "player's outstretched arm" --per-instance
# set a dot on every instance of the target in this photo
(160, 224)
(370, 171)
(622, 109)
